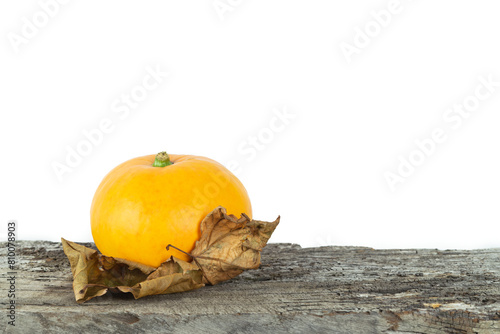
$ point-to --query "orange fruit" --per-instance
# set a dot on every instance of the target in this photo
(149, 202)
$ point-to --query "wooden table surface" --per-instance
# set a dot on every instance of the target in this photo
(296, 290)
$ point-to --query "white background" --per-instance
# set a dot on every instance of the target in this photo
(324, 172)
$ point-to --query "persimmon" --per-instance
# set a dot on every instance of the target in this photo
(149, 202)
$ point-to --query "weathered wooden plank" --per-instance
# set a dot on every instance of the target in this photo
(296, 290)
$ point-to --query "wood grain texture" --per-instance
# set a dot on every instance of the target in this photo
(296, 290)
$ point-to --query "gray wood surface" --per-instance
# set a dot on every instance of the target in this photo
(296, 290)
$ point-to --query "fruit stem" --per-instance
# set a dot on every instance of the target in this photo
(162, 159)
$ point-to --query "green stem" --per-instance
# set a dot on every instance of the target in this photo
(162, 159)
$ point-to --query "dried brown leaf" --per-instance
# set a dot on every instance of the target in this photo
(94, 274)
(228, 245)
(171, 276)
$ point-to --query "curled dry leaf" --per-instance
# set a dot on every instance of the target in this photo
(94, 274)
(227, 247)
